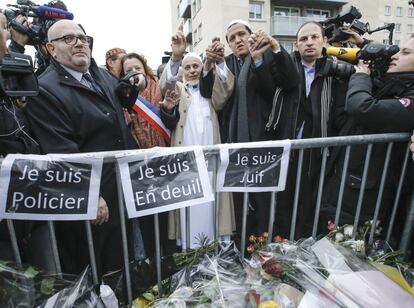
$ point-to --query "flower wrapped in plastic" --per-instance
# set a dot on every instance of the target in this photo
(361, 282)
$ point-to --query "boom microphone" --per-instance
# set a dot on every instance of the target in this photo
(52, 13)
(347, 54)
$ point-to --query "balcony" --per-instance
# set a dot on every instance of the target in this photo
(185, 8)
(326, 4)
(289, 25)
(187, 30)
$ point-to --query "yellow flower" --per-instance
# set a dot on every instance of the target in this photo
(140, 303)
(268, 304)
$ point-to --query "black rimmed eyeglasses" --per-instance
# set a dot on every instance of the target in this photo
(72, 40)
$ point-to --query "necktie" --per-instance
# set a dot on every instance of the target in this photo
(92, 83)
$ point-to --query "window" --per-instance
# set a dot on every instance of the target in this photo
(397, 27)
(409, 28)
(397, 42)
(286, 11)
(256, 10)
(195, 37)
(399, 11)
(387, 11)
(200, 35)
(288, 45)
(410, 12)
(322, 14)
(385, 42)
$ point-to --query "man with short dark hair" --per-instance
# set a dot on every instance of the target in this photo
(315, 108)
(77, 111)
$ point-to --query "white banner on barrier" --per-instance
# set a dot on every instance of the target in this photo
(164, 179)
(49, 187)
(253, 167)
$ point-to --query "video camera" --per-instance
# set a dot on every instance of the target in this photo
(17, 77)
(43, 18)
(350, 19)
(378, 55)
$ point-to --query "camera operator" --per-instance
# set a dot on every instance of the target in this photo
(19, 40)
(15, 137)
(372, 109)
(315, 109)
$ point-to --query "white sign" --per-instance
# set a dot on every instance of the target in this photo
(164, 179)
(49, 187)
(253, 167)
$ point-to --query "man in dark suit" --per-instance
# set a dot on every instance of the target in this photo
(77, 110)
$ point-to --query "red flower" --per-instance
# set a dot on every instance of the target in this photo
(252, 238)
(261, 239)
(265, 234)
(252, 294)
(331, 225)
(277, 238)
(250, 249)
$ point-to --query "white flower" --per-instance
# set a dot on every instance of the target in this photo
(348, 230)
(358, 246)
(339, 237)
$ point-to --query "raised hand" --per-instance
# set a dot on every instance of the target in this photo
(171, 100)
(214, 54)
(259, 42)
(178, 46)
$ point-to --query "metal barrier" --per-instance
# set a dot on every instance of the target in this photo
(211, 154)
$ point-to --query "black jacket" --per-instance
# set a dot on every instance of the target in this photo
(388, 110)
(68, 117)
(296, 108)
(277, 70)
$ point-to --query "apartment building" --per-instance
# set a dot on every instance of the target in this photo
(201, 20)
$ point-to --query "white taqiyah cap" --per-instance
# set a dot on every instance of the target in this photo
(192, 55)
(239, 21)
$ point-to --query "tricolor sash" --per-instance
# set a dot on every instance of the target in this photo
(153, 116)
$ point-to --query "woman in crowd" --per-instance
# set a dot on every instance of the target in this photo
(145, 134)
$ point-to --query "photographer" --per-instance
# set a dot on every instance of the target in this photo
(16, 137)
(373, 109)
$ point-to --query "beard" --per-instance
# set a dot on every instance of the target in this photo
(193, 82)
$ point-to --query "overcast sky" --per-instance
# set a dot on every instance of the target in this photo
(142, 26)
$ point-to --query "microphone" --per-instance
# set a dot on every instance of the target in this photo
(52, 13)
(347, 54)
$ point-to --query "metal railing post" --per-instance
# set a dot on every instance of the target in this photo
(362, 189)
(124, 234)
(320, 190)
(15, 245)
(52, 237)
(158, 252)
(380, 192)
(296, 198)
(244, 223)
(91, 252)
(342, 185)
(398, 193)
(271, 215)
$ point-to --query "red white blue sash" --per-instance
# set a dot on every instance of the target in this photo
(153, 116)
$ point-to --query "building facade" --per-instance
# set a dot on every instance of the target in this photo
(202, 20)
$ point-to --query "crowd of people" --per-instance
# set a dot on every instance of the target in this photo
(258, 92)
